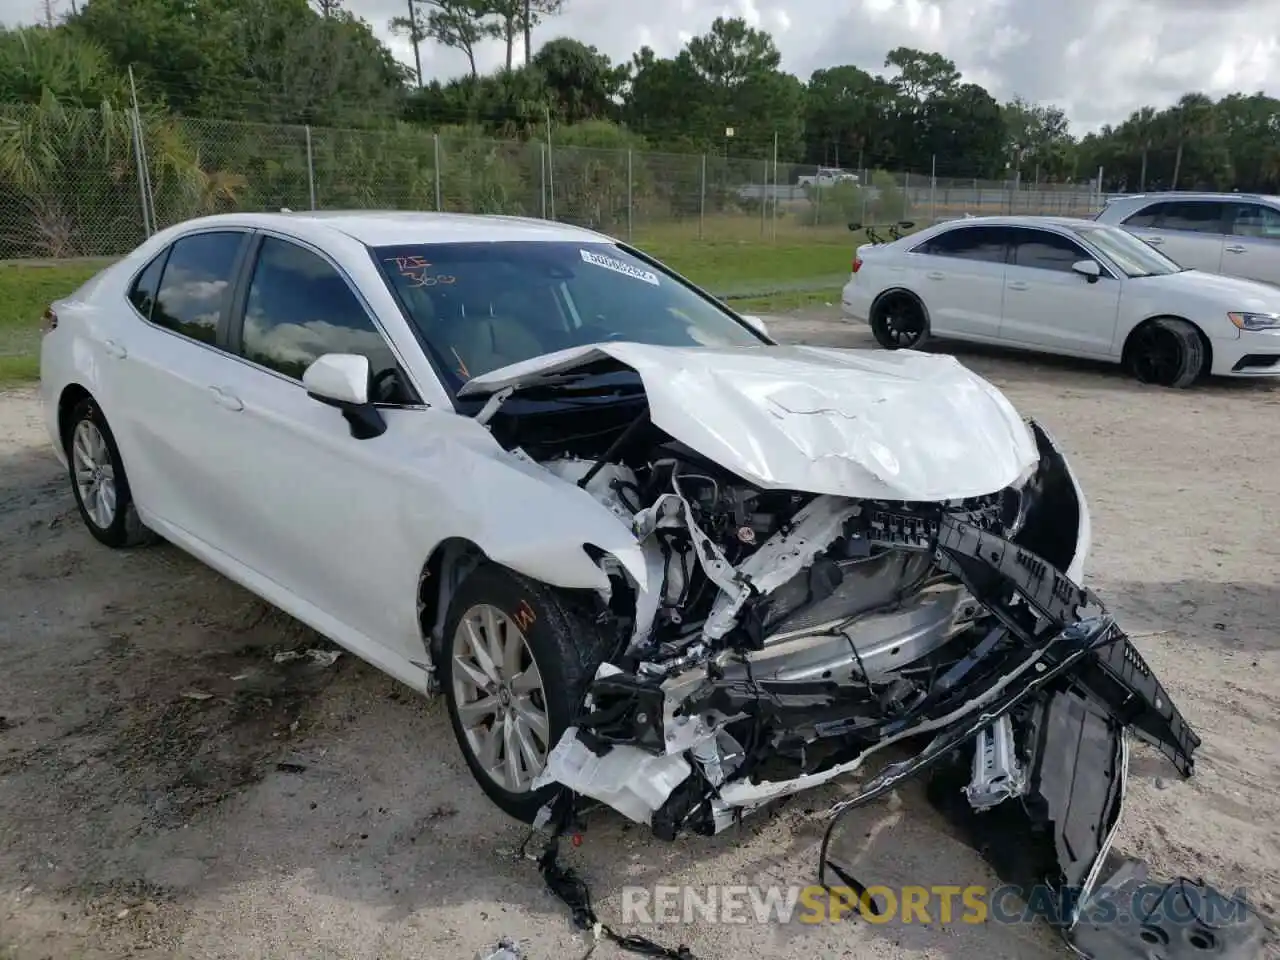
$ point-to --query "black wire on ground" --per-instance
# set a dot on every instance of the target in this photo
(569, 887)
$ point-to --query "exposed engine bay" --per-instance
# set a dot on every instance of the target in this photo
(782, 638)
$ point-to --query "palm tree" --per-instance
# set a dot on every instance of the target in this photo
(1193, 116)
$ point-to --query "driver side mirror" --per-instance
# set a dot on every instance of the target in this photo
(755, 323)
(342, 380)
(1088, 269)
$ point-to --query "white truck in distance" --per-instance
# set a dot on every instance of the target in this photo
(827, 177)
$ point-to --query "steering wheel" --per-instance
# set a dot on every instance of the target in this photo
(378, 383)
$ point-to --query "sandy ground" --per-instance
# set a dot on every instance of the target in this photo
(168, 789)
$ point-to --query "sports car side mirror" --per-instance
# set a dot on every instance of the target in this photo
(1088, 269)
(342, 380)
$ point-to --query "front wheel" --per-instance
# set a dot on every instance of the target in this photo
(516, 664)
(898, 322)
(1167, 352)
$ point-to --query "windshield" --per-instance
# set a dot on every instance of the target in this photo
(481, 306)
(1134, 257)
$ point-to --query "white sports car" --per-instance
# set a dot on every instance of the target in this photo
(1060, 285)
(650, 557)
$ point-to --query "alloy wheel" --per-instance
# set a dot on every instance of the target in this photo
(95, 477)
(499, 695)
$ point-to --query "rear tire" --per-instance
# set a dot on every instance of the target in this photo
(1167, 352)
(898, 322)
(98, 480)
(507, 714)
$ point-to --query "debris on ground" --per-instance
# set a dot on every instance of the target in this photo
(325, 658)
(506, 949)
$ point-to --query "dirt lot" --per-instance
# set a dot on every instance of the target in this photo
(168, 789)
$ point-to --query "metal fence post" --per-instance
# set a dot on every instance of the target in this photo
(933, 187)
(773, 222)
(702, 198)
(764, 195)
(435, 147)
(142, 173)
(311, 169)
(542, 178)
(628, 195)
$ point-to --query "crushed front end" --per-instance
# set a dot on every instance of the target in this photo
(785, 640)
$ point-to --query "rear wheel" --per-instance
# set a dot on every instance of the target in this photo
(898, 322)
(1167, 352)
(98, 480)
(517, 662)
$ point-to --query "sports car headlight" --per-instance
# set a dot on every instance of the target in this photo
(1015, 501)
(1255, 321)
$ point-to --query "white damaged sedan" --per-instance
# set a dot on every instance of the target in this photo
(650, 557)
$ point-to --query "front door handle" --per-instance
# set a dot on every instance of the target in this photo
(1154, 241)
(114, 349)
(1017, 285)
(225, 399)
(1234, 248)
(935, 275)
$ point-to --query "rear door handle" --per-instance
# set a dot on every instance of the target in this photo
(225, 399)
(1017, 285)
(114, 349)
(1234, 248)
(935, 275)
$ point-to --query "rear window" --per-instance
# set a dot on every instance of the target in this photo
(481, 306)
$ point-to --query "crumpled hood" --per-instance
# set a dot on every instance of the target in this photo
(897, 425)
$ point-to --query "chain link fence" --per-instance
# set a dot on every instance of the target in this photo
(89, 183)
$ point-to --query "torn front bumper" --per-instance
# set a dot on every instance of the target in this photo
(1046, 697)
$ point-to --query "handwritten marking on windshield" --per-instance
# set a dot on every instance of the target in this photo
(423, 279)
(408, 263)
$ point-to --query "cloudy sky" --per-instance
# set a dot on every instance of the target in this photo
(1098, 59)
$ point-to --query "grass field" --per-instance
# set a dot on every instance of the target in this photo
(789, 266)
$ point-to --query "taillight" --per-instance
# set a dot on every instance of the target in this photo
(49, 320)
(857, 264)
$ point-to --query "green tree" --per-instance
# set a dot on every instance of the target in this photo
(845, 116)
(728, 77)
(582, 82)
(458, 24)
(1039, 138)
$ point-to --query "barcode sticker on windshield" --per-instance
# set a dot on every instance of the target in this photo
(617, 266)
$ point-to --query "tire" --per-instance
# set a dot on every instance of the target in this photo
(563, 644)
(98, 480)
(898, 322)
(1167, 352)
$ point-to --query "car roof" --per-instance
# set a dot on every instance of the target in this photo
(392, 227)
(1019, 220)
(1173, 195)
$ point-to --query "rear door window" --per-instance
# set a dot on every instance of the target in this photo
(1187, 216)
(984, 244)
(196, 285)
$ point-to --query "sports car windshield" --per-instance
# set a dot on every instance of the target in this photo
(1131, 255)
(481, 306)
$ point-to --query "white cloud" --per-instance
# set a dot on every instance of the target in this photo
(1098, 59)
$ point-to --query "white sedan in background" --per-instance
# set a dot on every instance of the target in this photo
(1065, 286)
